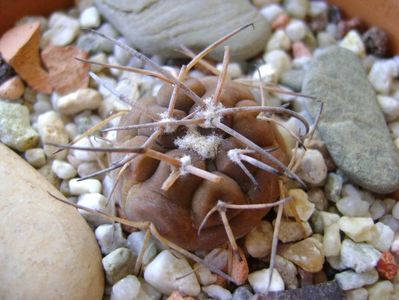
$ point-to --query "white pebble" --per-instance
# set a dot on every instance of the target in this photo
(353, 207)
(130, 89)
(259, 240)
(78, 101)
(388, 204)
(279, 60)
(168, 273)
(91, 142)
(62, 30)
(395, 245)
(51, 130)
(297, 8)
(42, 105)
(233, 69)
(259, 281)
(110, 237)
(360, 257)
(35, 157)
(332, 240)
(328, 218)
(118, 264)
(377, 209)
(384, 238)
(278, 41)
(127, 288)
(353, 42)
(98, 202)
(304, 208)
(72, 130)
(121, 55)
(217, 292)
(63, 169)
(80, 187)
(381, 75)
(268, 74)
(204, 275)
(312, 168)
(348, 190)
(389, 106)
(271, 12)
(135, 242)
(349, 280)
(99, 57)
(358, 229)
(317, 8)
(395, 211)
(390, 221)
(90, 18)
(325, 39)
(333, 186)
(296, 30)
(112, 61)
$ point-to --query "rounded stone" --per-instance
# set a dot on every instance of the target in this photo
(45, 244)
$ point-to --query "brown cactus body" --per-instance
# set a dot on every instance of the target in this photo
(178, 211)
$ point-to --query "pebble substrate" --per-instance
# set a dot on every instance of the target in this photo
(345, 232)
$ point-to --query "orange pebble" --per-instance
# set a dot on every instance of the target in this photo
(387, 266)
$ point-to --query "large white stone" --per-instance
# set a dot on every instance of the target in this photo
(47, 250)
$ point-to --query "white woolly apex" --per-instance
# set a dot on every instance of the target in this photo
(210, 113)
(185, 161)
(234, 155)
(169, 128)
(206, 146)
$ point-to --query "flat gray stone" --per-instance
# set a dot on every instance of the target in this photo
(160, 27)
(352, 124)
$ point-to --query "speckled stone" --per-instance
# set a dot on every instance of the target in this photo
(352, 124)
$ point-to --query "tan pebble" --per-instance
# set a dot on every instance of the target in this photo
(12, 89)
(306, 254)
(303, 207)
(292, 231)
(281, 21)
